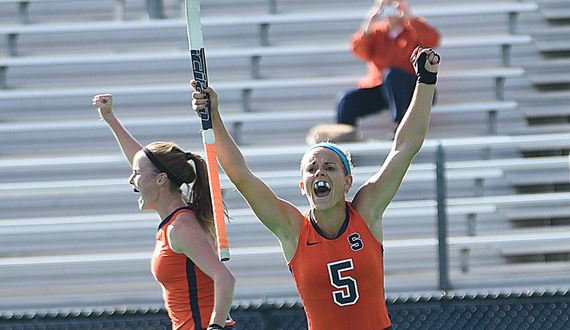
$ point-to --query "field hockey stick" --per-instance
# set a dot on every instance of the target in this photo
(196, 46)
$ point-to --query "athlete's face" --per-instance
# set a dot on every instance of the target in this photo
(324, 180)
(144, 181)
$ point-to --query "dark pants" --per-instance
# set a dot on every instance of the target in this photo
(395, 94)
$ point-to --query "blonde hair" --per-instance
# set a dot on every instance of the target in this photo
(345, 156)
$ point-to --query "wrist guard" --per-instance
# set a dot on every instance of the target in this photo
(214, 326)
(424, 76)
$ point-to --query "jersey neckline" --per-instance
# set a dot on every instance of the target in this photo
(169, 217)
(340, 231)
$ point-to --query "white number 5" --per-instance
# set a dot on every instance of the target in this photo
(348, 293)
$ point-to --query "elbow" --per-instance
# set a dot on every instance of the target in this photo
(408, 146)
(226, 279)
(415, 149)
(415, 145)
(229, 278)
(231, 281)
(237, 173)
(240, 179)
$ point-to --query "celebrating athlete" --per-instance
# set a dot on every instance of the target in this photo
(334, 250)
(197, 287)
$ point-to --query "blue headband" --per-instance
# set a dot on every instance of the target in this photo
(336, 149)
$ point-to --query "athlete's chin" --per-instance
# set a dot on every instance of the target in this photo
(322, 203)
(144, 206)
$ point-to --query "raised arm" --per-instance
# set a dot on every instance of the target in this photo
(375, 195)
(278, 215)
(371, 16)
(129, 145)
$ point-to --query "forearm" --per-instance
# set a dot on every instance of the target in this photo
(229, 155)
(370, 17)
(223, 298)
(376, 194)
(413, 127)
(128, 144)
(366, 25)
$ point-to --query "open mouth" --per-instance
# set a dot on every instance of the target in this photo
(136, 191)
(322, 188)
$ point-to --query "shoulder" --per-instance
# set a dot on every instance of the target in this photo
(418, 23)
(184, 222)
(186, 228)
(374, 223)
(289, 238)
(296, 221)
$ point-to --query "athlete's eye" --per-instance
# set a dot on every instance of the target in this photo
(135, 174)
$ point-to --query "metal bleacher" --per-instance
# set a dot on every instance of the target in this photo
(72, 235)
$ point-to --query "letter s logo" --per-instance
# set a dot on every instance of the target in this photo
(355, 242)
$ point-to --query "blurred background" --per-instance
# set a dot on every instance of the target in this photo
(71, 234)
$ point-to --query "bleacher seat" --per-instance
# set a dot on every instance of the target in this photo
(79, 219)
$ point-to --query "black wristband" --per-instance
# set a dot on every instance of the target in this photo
(424, 76)
(214, 326)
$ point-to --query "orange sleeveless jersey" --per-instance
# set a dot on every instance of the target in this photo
(187, 291)
(341, 280)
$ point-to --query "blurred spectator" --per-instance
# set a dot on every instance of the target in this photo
(385, 40)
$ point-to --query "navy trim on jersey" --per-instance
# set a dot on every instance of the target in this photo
(193, 293)
(340, 231)
(169, 217)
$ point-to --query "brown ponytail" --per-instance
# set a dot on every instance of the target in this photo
(176, 161)
(200, 194)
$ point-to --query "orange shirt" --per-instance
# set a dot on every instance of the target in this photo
(382, 51)
(187, 291)
(341, 280)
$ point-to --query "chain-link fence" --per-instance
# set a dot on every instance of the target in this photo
(505, 311)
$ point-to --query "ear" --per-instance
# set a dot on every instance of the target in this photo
(348, 181)
(162, 178)
(302, 186)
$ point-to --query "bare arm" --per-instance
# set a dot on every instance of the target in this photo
(129, 145)
(375, 195)
(278, 215)
(186, 236)
(374, 13)
(371, 17)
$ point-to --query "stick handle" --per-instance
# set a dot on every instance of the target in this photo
(216, 195)
(198, 59)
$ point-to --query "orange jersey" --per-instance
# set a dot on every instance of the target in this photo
(341, 280)
(187, 291)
